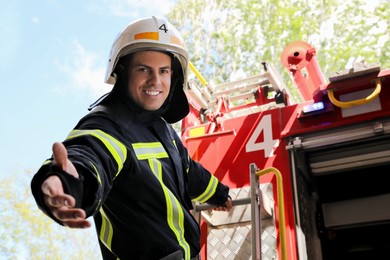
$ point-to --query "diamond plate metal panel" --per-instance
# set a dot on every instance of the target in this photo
(232, 239)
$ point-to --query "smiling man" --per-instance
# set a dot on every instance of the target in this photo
(150, 74)
(124, 164)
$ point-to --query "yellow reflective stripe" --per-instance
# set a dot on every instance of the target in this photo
(116, 148)
(188, 168)
(100, 183)
(146, 151)
(47, 161)
(210, 190)
(106, 230)
(97, 173)
(175, 215)
(98, 205)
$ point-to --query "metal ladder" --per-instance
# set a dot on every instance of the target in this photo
(251, 92)
(261, 210)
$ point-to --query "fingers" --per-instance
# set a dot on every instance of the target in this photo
(60, 156)
(229, 204)
(80, 223)
(62, 208)
(58, 201)
(54, 195)
(61, 205)
(52, 186)
(71, 217)
(227, 207)
(67, 215)
(220, 208)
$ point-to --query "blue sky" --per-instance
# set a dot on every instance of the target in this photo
(53, 55)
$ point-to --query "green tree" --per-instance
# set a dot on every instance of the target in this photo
(26, 233)
(228, 38)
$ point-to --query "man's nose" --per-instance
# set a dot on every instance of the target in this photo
(154, 78)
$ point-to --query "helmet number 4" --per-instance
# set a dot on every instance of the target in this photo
(268, 144)
(163, 27)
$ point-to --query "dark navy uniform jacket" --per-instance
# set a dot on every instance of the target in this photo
(137, 180)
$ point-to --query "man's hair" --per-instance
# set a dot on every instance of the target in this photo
(125, 61)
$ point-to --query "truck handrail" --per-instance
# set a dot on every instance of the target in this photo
(236, 202)
(357, 102)
(280, 202)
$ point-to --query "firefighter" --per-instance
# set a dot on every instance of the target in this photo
(124, 164)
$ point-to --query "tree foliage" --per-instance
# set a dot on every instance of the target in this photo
(26, 233)
(229, 39)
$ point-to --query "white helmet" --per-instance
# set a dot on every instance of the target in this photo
(155, 33)
(152, 33)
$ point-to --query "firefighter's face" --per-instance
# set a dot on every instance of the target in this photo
(149, 79)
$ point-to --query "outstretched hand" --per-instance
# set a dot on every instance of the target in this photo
(59, 203)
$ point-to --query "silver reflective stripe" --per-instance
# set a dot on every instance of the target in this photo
(175, 215)
(210, 190)
(149, 150)
(116, 148)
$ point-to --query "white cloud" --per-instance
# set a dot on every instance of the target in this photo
(87, 70)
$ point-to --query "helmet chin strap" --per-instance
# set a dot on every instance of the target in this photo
(97, 102)
(120, 70)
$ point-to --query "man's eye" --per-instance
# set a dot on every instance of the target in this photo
(142, 69)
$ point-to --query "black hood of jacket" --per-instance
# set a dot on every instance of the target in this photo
(173, 110)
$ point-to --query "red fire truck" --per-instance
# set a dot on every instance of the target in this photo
(309, 180)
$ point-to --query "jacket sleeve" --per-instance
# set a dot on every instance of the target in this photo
(202, 185)
(98, 158)
(205, 187)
